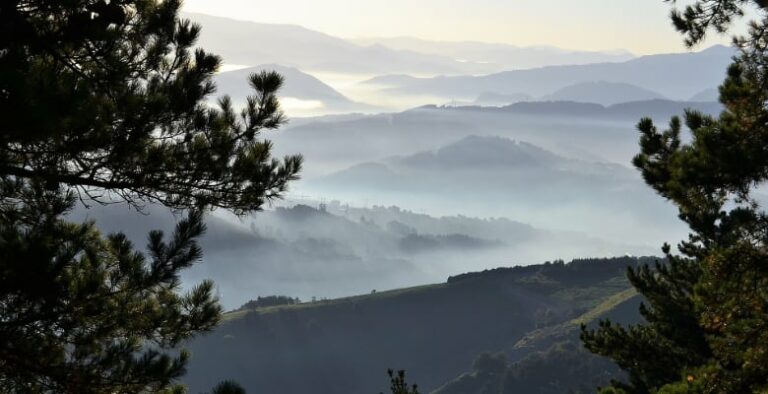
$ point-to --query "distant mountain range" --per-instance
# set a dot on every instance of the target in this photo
(676, 76)
(297, 84)
(251, 43)
(299, 89)
(484, 153)
(543, 188)
(458, 72)
(587, 131)
(711, 94)
(493, 165)
(656, 108)
(602, 92)
(501, 56)
(490, 99)
(594, 92)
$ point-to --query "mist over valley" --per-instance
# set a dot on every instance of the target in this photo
(346, 197)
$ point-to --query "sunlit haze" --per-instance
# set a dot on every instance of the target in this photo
(641, 27)
(306, 196)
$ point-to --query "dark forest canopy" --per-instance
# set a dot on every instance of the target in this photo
(265, 302)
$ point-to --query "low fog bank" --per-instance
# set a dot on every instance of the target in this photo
(560, 173)
(334, 250)
(573, 130)
(489, 176)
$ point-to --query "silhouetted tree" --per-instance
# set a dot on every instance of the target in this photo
(707, 309)
(398, 385)
(105, 102)
(108, 98)
(262, 302)
(81, 313)
(228, 387)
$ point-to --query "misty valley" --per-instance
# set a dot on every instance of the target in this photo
(238, 199)
(392, 201)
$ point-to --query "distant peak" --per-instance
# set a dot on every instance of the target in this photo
(718, 48)
(489, 150)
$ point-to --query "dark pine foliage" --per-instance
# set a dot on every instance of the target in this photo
(398, 385)
(108, 98)
(83, 313)
(228, 387)
(105, 102)
(707, 308)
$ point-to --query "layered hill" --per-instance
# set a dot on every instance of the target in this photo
(504, 56)
(604, 93)
(491, 163)
(296, 84)
(250, 43)
(490, 99)
(660, 109)
(543, 188)
(711, 94)
(335, 250)
(676, 76)
(580, 130)
(300, 91)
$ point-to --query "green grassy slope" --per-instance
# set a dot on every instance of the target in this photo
(346, 345)
(553, 359)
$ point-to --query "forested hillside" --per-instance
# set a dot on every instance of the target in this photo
(531, 314)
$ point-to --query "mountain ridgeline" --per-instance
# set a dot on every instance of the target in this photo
(604, 93)
(520, 177)
(675, 76)
(312, 50)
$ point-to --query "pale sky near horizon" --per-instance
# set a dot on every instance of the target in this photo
(640, 26)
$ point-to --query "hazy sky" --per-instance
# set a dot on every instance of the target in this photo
(641, 26)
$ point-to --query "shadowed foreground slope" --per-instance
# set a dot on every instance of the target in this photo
(434, 332)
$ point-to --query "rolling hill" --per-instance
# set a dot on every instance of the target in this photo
(502, 56)
(541, 187)
(602, 92)
(337, 250)
(551, 359)
(494, 163)
(658, 109)
(297, 84)
(711, 94)
(434, 332)
(490, 99)
(251, 43)
(578, 130)
(299, 89)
